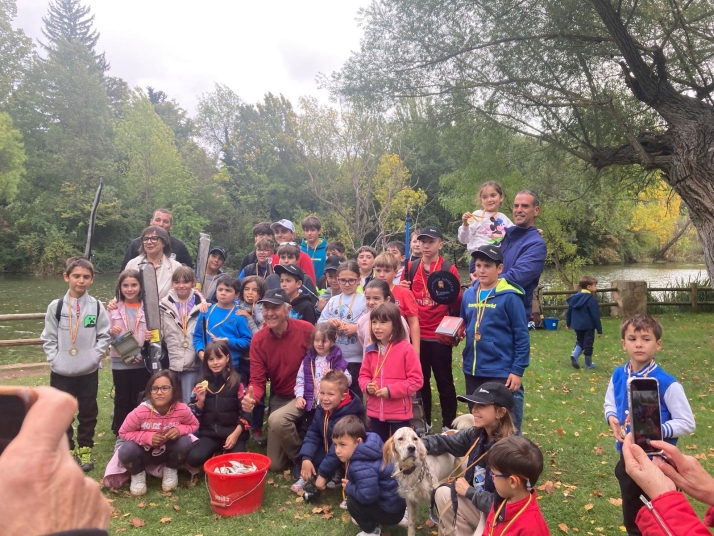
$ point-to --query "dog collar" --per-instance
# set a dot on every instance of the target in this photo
(423, 471)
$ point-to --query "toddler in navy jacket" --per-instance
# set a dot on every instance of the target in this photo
(584, 317)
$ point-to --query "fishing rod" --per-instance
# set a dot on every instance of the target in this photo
(407, 240)
(93, 220)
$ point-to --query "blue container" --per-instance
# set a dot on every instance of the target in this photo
(551, 324)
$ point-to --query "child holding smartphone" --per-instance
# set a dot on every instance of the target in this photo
(642, 339)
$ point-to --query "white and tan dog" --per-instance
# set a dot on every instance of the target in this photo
(417, 472)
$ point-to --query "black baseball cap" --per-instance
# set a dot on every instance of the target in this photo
(275, 296)
(489, 251)
(221, 250)
(333, 262)
(290, 269)
(490, 393)
(431, 232)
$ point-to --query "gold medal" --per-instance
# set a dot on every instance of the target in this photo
(184, 344)
(73, 351)
(477, 336)
(471, 220)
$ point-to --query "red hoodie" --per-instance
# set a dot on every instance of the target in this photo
(529, 522)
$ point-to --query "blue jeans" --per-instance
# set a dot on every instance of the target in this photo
(474, 382)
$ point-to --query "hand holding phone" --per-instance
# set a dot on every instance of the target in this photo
(645, 413)
(39, 476)
(15, 402)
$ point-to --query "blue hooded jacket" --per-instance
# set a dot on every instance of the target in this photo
(583, 312)
(317, 255)
(368, 482)
(504, 346)
(524, 254)
(315, 438)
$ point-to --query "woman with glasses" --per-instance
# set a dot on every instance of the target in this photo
(156, 432)
(343, 311)
(156, 249)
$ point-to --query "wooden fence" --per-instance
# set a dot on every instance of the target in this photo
(21, 342)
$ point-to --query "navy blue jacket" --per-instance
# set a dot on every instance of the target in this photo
(315, 440)
(583, 312)
(368, 482)
(504, 346)
(523, 260)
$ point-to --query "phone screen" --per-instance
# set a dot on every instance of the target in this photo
(12, 413)
(645, 418)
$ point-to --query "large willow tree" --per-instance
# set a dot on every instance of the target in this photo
(613, 82)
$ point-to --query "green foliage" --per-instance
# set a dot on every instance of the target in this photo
(69, 20)
(15, 51)
(12, 158)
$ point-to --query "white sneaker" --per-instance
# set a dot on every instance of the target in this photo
(138, 484)
(405, 520)
(376, 531)
(169, 481)
(298, 486)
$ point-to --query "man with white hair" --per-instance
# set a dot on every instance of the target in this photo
(276, 354)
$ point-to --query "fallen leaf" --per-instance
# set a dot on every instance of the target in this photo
(317, 510)
(121, 529)
(281, 509)
(299, 500)
(623, 528)
(691, 447)
(563, 527)
(615, 502)
(100, 434)
(597, 493)
(577, 434)
(548, 487)
(297, 515)
(271, 481)
(598, 450)
(137, 522)
(165, 520)
(329, 515)
(177, 507)
(153, 505)
(141, 505)
(589, 506)
(429, 523)
(346, 517)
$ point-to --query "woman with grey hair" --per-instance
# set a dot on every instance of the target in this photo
(156, 249)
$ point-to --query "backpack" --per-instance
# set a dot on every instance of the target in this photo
(415, 266)
(60, 305)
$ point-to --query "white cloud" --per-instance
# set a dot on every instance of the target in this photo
(183, 48)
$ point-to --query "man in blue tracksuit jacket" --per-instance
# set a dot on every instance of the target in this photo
(497, 344)
(523, 247)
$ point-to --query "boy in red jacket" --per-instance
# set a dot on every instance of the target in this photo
(516, 463)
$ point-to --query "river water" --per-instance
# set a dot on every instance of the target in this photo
(32, 294)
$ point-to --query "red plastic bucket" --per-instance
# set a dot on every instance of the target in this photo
(234, 495)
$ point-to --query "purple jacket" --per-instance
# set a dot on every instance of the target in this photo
(336, 361)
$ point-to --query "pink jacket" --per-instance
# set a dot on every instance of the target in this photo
(400, 374)
(142, 423)
(118, 317)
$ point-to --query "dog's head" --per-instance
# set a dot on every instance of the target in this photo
(404, 448)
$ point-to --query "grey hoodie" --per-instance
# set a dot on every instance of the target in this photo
(92, 337)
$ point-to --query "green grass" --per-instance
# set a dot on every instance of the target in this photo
(563, 415)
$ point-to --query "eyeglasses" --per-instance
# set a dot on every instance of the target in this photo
(501, 475)
(153, 239)
(347, 281)
(163, 388)
(288, 244)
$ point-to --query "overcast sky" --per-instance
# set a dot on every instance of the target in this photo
(183, 48)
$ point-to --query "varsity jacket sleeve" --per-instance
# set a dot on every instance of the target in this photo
(456, 444)
(199, 335)
(481, 499)
(103, 337)
(610, 406)
(131, 427)
(414, 378)
(670, 514)
(594, 311)
(521, 337)
(241, 343)
(50, 335)
(682, 421)
(300, 382)
(529, 266)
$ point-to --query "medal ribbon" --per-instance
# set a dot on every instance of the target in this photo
(380, 366)
(349, 308)
(208, 320)
(73, 330)
(498, 512)
(480, 312)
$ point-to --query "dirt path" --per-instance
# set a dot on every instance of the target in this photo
(20, 370)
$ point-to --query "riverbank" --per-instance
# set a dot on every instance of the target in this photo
(563, 415)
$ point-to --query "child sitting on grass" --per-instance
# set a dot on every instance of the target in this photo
(318, 456)
(515, 463)
(371, 493)
(642, 339)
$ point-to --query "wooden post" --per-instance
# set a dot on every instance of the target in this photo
(694, 297)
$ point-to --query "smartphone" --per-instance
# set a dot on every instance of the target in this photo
(14, 405)
(645, 414)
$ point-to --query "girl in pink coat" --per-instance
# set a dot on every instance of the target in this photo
(157, 432)
(390, 373)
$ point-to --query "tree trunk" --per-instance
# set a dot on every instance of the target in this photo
(662, 252)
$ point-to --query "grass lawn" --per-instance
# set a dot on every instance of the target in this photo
(563, 415)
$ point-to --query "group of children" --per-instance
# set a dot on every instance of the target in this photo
(374, 339)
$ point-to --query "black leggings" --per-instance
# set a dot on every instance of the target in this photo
(368, 516)
(173, 453)
(206, 447)
(385, 429)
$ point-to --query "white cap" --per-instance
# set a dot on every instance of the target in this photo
(283, 223)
